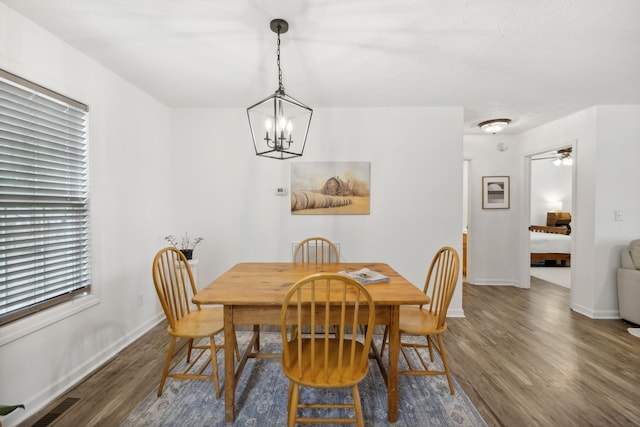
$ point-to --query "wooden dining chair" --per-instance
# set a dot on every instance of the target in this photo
(316, 250)
(174, 283)
(324, 359)
(431, 321)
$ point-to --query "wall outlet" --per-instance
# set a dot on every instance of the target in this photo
(281, 191)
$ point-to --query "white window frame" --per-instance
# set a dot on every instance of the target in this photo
(44, 205)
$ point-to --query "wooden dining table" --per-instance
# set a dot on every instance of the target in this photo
(252, 293)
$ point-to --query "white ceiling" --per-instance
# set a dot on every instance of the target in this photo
(529, 60)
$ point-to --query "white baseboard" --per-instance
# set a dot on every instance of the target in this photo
(596, 314)
(458, 312)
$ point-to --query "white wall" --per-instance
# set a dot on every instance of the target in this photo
(416, 188)
(44, 354)
(492, 247)
(617, 188)
(550, 186)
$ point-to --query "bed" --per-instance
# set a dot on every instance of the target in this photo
(551, 244)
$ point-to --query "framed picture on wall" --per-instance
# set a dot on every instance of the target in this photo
(495, 192)
(330, 188)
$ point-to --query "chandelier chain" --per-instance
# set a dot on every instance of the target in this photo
(280, 85)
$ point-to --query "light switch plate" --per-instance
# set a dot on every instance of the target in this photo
(617, 215)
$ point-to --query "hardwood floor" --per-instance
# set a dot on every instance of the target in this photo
(522, 357)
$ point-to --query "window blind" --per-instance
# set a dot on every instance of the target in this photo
(44, 198)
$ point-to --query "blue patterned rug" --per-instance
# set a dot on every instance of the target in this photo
(261, 398)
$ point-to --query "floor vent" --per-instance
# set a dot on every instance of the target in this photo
(56, 412)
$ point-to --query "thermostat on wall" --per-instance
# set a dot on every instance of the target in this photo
(281, 191)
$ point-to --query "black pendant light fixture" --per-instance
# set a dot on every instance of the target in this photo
(279, 123)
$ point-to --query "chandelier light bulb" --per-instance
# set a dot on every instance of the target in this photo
(268, 125)
(282, 123)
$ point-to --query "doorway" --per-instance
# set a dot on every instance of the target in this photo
(551, 202)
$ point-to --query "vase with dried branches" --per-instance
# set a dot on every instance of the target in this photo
(185, 244)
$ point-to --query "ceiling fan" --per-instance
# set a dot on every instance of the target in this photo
(559, 157)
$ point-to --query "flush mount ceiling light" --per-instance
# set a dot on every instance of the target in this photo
(275, 120)
(494, 125)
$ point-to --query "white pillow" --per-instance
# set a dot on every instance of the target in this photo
(634, 249)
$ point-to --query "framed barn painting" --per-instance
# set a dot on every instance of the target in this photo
(495, 192)
(330, 188)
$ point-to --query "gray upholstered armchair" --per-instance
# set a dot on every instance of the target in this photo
(629, 283)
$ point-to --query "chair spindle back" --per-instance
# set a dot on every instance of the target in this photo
(174, 284)
(442, 278)
(309, 303)
(316, 250)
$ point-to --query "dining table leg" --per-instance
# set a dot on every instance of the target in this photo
(229, 366)
(394, 351)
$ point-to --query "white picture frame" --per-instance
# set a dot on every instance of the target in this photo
(495, 192)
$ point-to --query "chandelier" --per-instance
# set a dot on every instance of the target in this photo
(279, 123)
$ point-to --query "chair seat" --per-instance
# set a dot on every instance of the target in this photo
(419, 321)
(199, 323)
(316, 378)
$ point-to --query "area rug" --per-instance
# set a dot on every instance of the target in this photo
(634, 331)
(261, 398)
